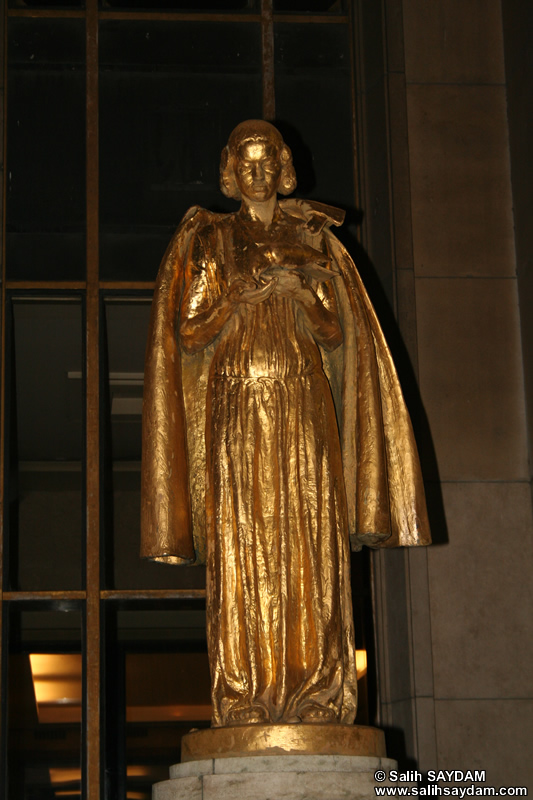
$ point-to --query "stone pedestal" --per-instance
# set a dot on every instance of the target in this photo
(275, 778)
(278, 762)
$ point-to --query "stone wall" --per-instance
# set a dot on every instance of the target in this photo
(517, 27)
(455, 625)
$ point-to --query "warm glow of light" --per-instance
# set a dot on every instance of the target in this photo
(167, 713)
(360, 663)
(137, 796)
(68, 793)
(57, 686)
(138, 771)
(58, 694)
(60, 775)
(65, 775)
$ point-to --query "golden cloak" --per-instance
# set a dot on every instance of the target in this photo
(384, 487)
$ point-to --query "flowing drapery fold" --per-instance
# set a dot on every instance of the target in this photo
(384, 487)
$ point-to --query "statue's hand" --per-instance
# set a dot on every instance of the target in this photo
(291, 283)
(242, 291)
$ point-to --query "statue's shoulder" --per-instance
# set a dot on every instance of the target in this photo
(197, 217)
(314, 215)
(200, 221)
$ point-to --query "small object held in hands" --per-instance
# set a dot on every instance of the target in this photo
(308, 270)
(262, 292)
(311, 262)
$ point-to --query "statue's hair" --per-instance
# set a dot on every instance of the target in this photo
(255, 130)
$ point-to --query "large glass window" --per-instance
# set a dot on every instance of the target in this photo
(116, 113)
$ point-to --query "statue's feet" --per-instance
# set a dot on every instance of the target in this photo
(247, 716)
(318, 714)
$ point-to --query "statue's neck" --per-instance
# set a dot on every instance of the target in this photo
(259, 211)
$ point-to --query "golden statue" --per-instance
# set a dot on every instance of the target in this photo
(274, 433)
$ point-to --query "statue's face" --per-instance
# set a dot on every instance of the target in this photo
(257, 170)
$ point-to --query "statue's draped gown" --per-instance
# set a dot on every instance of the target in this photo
(280, 629)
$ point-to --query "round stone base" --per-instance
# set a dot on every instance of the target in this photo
(282, 740)
(281, 777)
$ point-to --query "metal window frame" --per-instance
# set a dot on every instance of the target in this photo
(93, 595)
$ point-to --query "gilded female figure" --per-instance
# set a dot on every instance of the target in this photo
(274, 432)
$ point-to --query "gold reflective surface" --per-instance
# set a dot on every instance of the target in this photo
(277, 740)
(274, 433)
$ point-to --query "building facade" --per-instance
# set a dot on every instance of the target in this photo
(415, 116)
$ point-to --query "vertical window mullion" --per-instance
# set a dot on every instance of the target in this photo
(3, 632)
(92, 623)
(267, 45)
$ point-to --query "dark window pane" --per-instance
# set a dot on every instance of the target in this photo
(146, 718)
(310, 6)
(45, 445)
(126, 327)
(46, 4)
(46, 150)
(314, 110)
(215, 6)
(180, 47)
(44, 703)
(170, 93)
